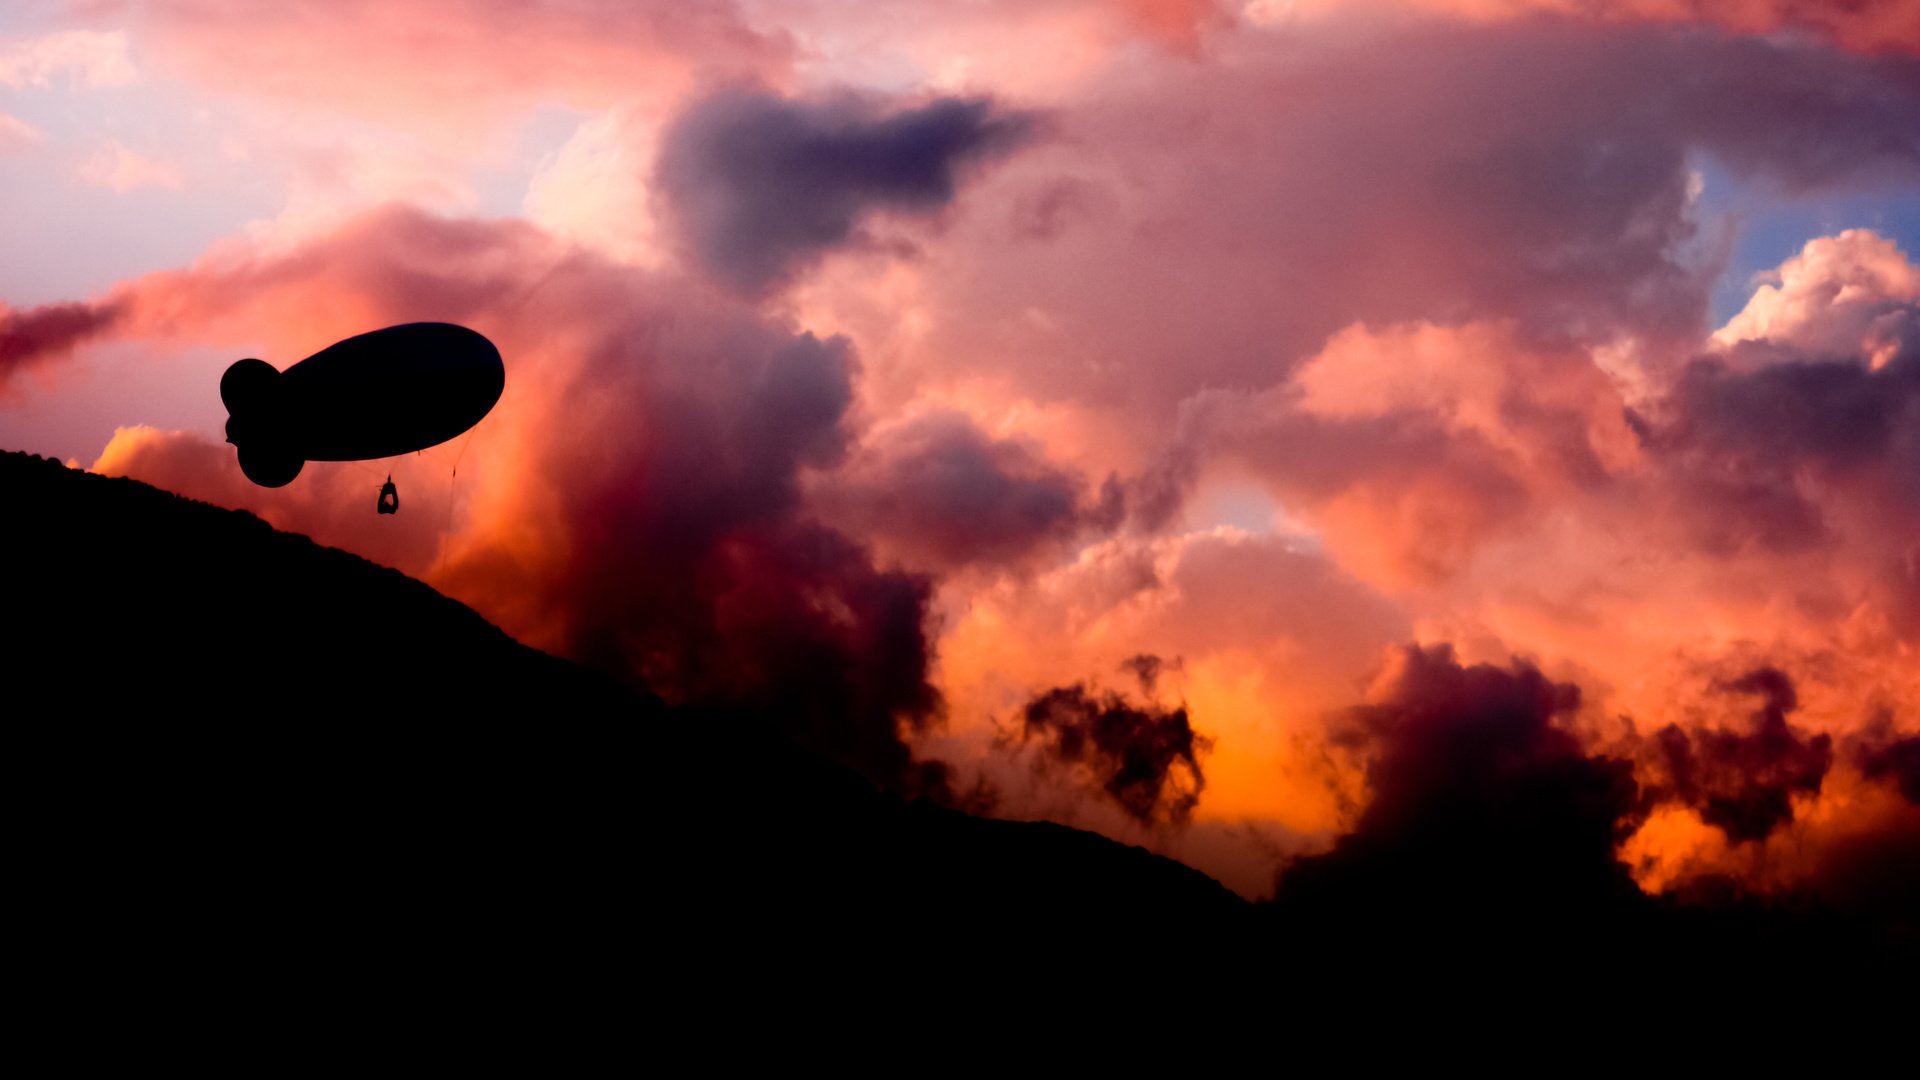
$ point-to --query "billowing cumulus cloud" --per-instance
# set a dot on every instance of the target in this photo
(1482, 804)
(1798, 431)
(1846, 295)
(660, 532)
(1493, 837)
(759, 185)
(1836, 421)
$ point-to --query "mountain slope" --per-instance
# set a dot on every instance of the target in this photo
(253, 757)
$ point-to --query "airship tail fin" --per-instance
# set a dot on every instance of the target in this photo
(251, 391)
(248, 386)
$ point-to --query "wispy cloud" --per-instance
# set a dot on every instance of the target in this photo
(76, 57)
(114, 166)
(15, 133)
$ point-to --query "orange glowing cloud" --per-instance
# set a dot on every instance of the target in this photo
(331, 503)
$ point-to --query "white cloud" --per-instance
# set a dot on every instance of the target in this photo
(1851, 294)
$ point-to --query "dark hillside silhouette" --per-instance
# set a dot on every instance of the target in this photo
(259, 775)
(270, 763)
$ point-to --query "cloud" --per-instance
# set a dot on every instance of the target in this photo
(759, 186)
(1413, 447)
(1269, 637)
(1152, 276)
(1800, 428)
(1838, 413)
(116, 167)
(1493, 839)
(940, 493)
(362, 58)
(652, 524)
(590, 191)
(36, 336)
(1743, 784)
(1899, 761)
(1483, 808)
(1147, 668)
(1145, 758)
(1179, 23)
(1888, 26)
(1851, 294)
(79, 57)
(15, 133)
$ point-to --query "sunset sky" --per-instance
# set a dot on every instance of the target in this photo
(1105, 411)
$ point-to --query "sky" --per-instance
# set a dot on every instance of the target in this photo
(1148, 415)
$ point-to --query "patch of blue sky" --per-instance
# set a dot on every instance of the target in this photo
(1772, 225)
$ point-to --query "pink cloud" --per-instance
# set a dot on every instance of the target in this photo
(122, 170)
(1188, 226)
(1853, 293)
(451, 69)
(78, 57)
(16, 133)
(1888, 26)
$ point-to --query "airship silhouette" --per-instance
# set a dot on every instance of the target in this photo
(377, 395)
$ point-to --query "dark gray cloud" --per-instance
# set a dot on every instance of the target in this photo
(942, 493)
(1839, 412)
(1744, 435)
(36, 335)
(1490, 845)
(1743, 783)
(758, 185)
(1144, 757)
(690, 560)
(1898, 761)
(1484, 808)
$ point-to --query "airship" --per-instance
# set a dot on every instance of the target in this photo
(377, 395)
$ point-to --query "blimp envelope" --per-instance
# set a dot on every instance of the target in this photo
(382, 394)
